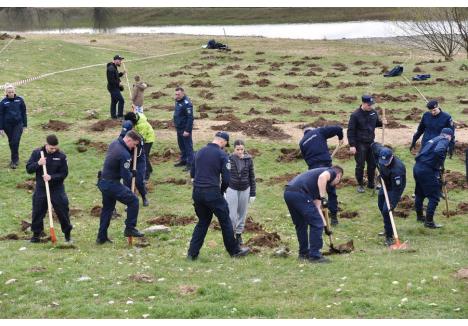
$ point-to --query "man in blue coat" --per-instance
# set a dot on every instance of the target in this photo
(183, 122)
(12, 121)
(426, 171)
(316, 154)
(432, 123)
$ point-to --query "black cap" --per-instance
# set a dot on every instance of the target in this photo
(118, 57)
(368, 99)
(432, 104)
(224, 135)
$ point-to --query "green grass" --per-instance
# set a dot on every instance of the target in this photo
(259, 286)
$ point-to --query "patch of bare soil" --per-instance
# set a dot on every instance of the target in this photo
(295, 69)
(339, 66)
(105, 124)
(227, 117)
(464, 100)
(440, 68)
(233, 67)
(287, 86)
(56, 125)
(332, 75)
(207, 95)
(174, 84)
(252, 226)
(265, 239)
(291, 73)
(342, 85)
(263, 82)
(172, 220)
(382, 97)
(460, 148)
(322, 84)
(462, 274)
(417, 69)
(264, 74)
(455, 180)
(320, 122)
(241, 76)
(204, 115)
(238, 52)
(343, 153)
(309, 99)
(83, 144)
(96, 211)
(245, 82)
(278, 111)
(28, 184)
(289, 155)
(226, 72)
(200, 83)
(141, 278)
(167, 154)
(259, 53)
(415, 114)
(260, 60)
(254, 152)
(347, 182)
(359, 63)
(159, 94)
(204, 107)
(360, 84)
(257, 127)
(161, 124)
(281, 179)
(350, 214)
(202, 75)
(362, 73)
(460, 82)
(253, 111)
(251, 96)
(343, 98)
(175, 181)
(251, 67)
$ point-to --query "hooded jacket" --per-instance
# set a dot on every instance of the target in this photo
(242, 173)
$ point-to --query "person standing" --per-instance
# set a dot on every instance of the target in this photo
(138, 94)
(432, 123)
(211, 162)
(115, 87)
(426, 171)
(57, 171)
(305, 195)
(183, 122)
(242, 187)
(314, 149)
(361, 134)
(117, 165)
(13, 120)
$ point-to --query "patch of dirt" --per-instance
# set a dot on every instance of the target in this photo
(320, 122)
(462, 274)
(159, 94)
(204, 115)
(342, 85)
(225, 109)
(226, 72)
(172, 220)
(455, 180)
(392, 124)
(278, 111)
(207, 95)
(253, 111)
(251, 96)
(176, 73)
(382, 97)
(401, 214)
(291, 73)
(265, 239)
(450, 213)
(347, 182)
(200, 83)
(257, 127)
(425, 62)
(440, 68)
(415, 115)
(227, 117)
(344, 154)
(141, 278)
(360, 84)
(83, 144)
(322, 84)
(252, 226)
(238, 52)
(202, 75)
(172, 181)
(174, 84)
(289, 155)
(25, 225)
(162, 124)
(263, 82)
(264, 74)
(465, 111)
(460, 148)
(461, 82)
(168, 154)
(395, 85)
(350, 215)
(105, 124)
(359, 63)
(204, 107)
(37, 269)
(250, 68)
(259, 53)
(347, 98)
(309, 99)
(332, 75)
(362, 73)
(312, 73)
(253, 152)
(56, 125)
(460, 125)
(187, 289)
(339, 66)
(260, 60)
(295, 69)
(96, 211)
(287, 86)
(245, 82)
(463, 207)
(281, 179)
(28, 184)
(417, 69)
(233, 67)
(464, 100)
(406, 202)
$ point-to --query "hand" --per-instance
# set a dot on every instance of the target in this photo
(251, 199)
(46, 177)
(384, 121)
(327, 230)
(352, 150)
(324, 201)
(186, 134)
(2, 133)
(42, 161)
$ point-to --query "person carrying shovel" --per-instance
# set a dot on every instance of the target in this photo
(314, 149)
(305, 195)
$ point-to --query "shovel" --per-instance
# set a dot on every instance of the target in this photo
(130, 239)
(53, 238)
(341, 248)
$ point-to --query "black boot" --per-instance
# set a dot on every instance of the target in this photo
(389, 241)
(133, 233)
(333, 219)
(36, 238)
(430, 223)
(68, 236)
(239, 239)
(420, 217)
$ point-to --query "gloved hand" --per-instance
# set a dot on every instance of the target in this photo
(327, 230)
(324, 202)
(251, 199)
(413, 145)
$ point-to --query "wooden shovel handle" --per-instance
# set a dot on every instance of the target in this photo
(53, 238)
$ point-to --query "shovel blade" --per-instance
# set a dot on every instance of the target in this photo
(399, 246)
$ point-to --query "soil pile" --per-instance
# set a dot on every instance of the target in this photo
(265, 239)
(56, 125)
(259, 127)
(289, 155)
(105, 124)
(172, 220)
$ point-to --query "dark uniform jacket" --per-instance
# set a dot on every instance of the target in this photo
(183, 115)
(242, 174)
(432, 155)
(394, 176)
(56, 164)
(117, 164)
(210, 162)
(361, 126)
(431, 127)
(314, 146)
(113, 77)
(12, 112)
(307, 182)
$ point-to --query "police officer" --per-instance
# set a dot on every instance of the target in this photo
(117, 165)
(432, 123)
(115, 87)
(127, 125)
(426, 171)
(315, 152)
(183, 122)
(393, 172)
(305, 195)
(210, 162)
(57, 170)
(361, 134)
(12, 121)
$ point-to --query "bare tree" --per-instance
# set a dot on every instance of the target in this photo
(101, 19)
(460, 16)
(432, 29)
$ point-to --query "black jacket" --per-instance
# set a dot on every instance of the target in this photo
(361, 126)
(242, 174)
(113, 77)
(56, 165)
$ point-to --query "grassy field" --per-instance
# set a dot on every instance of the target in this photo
(93, 281)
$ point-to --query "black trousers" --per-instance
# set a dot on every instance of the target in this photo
(59, 200)
(149, 167)
(117, 104)
(364, 155)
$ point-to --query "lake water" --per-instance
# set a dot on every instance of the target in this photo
(329, 31)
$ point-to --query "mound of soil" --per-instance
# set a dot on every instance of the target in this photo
(25, 225)
(464, 100)
(460, 148)
(172, 181)
(204, 115)
(265, 239)
(202, 75)
(360, 84)
(168, 154)
(344, 154)
(174, 84)
(238, 52)
(309, 99)
(291, 73)
(289, 155)
(162, 124)
(406, 202)
(253, 152)
(252, 226)
(28, 184)
(56, 125)
(362, 73)
(359, 63)
(251, 96)
(415, 115)
(312, 73)
(395, 85)
(207, 95)
(342, 85)
(84, 143)
(259, 53)
(245, 82)
(347, 182)
(455, 180)
(460, 125)
(233, 67)
(226, 72)
(322, 84)
(278, 111)
(172, 220)
(295, 69)
(465, 111)
(349, 215)
(225, 109)
(332, 75)
(250, 68)
(264, 74)
(463, 207)
(287, 86)
(263, 82)
(440, 68)
(401, 214)
(257, 127)
(158, 94)
(382, 97)
(227, 117)
(204, 107)
(392, 124)
(461, 82)
(339, 66)
(96, 211)
(14, 236)
(105, 124)
(281, 179)
(417, 69)
(347, 98)
(253, 111)
(200, 83)
(320, 122)
(286, 56)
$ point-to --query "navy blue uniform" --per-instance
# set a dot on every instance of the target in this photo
(299, 195)
(361, 134)
(183, 121)
(394, 176)
(127, 125)
(211, 162)
(426, 173)
(315, 152)
(431, 126)
(117, 165)
(13, 119)
(113, 86)
(57, 168)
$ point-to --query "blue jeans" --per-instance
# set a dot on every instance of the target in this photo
(116, 98)
(427, 186)
(14, 133)
(113, 191)
(209, 201)
(186, 147)
(308, 223)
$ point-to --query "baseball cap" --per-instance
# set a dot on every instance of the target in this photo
(432, 104)
(224, 135)
(385, 156)
(368, 99)
(118, 57)
(447, 131)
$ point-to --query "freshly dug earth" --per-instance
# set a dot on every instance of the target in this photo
(252, 226)
(265, 239)
(158, 94)
(172, 181)
(320, 122)
(349, 215)
(281, 179)
(28, 184)
(289, 155)
(455, 180)
(278, 111)
(161, 124)
(460, 148)
(56, 125)
(96, 211)
(168, 154)
(257, 127)
(415, 115)
(382, 97)
(343, 153)
(347, 181)
(172, 220)
(105, 124)
(83, 144)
